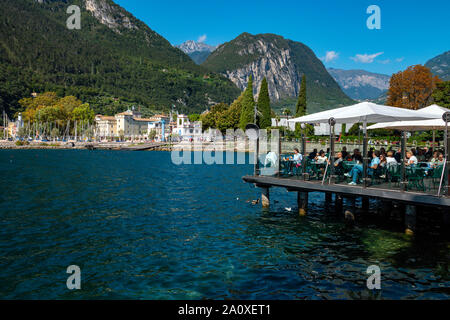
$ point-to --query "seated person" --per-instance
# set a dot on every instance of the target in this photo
(434, 160)
(440, 161)
(412, 160)
(321, 157)
(313, 154)
(358, 169)
(390, 160)
(298, 158)
(344, 153)
(357, 157)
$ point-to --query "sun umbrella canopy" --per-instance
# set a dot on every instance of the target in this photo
(422, 125)
(364, 112)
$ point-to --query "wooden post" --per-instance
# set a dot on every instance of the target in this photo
(338, 203)
(386, 207)
(302, 200)
(365, 204)
(265, 198)
(410, 219)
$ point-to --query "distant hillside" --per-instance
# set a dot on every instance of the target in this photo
(113, 55)
(360, 84)
(198, 51)
(440, 66)
(282, 62)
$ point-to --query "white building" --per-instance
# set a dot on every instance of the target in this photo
(129, 124)
(186, 129)
(283, 122)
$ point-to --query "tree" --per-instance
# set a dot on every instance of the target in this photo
(265, 119)
(54, 133)
(211, 119)
(287, 112)
(248, 106)
(83, 112)
(152, 134)
(441, 95)
(194, 117)
(412, 88)
(300, 110)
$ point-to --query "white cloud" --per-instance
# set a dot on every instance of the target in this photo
(330, 56)
(366, 58)
(399, 59)
(202, 38)
(385, 61)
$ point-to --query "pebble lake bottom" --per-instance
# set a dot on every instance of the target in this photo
(141, 227)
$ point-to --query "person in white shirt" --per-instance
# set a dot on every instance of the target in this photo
(390, 160)
(321, 157)
(412, 160)
(297, 157)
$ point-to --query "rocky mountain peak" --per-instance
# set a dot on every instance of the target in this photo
(109, 14)
(192, 46)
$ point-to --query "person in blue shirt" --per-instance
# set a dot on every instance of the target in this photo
(357, 170)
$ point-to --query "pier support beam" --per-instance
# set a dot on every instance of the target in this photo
(365, 204)
(265, 198)
(328, 200)
(338, 204)
(385, 208)
(302, 200)
(410, 219)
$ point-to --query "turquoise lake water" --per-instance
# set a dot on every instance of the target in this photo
(141, 227)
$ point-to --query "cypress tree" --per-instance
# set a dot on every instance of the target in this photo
(248, 105)
(301, 103)
(265, 119)
(300, 110)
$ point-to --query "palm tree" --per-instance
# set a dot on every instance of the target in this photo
(287, 112)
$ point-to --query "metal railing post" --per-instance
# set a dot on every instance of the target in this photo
(365, 155)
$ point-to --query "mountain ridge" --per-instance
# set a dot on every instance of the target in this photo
(114, 55)
(440, 65)
(197, 51)
(360, 84)
(283, 62)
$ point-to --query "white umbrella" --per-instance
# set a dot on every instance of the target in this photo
(434, 124)
(363, 112)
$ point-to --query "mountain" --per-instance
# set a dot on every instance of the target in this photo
(282, 62)
(198, 51)
(440, 66)
(113, 57)
(360, 84)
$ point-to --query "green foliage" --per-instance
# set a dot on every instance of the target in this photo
(248, 106)
(48, 107)
(300, 110)
(95, 64)
(441, 94)
(212, 119)
(194, 117)
(265, 118)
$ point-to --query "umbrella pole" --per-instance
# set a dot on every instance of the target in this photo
(434, 139)
(365, 154)
(403, 168)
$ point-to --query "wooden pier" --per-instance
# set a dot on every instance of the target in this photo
(409, 200)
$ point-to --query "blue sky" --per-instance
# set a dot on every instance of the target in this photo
(411, 31)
